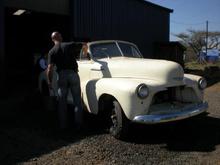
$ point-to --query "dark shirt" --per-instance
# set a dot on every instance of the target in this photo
(64, 55)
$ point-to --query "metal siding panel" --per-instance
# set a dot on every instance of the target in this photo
(129, 20)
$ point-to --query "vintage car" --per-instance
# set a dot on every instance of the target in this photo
(119, 83)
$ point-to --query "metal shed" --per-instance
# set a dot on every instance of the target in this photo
(172, 51)
(136, 21)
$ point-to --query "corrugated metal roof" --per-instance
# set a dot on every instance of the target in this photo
(155, 5)
(48, 6)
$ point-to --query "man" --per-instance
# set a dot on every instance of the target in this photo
(63, 55)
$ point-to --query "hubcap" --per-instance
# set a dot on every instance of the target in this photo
(114, 119)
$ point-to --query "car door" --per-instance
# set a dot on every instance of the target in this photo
(90, 71)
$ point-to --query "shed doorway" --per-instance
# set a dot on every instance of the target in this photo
(27, 36)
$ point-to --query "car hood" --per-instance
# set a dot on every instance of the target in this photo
(161, 70)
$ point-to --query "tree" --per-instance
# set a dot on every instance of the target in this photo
(214, 40)
(196, 40)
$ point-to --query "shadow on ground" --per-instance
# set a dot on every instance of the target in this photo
(200, 133)
(28, 131)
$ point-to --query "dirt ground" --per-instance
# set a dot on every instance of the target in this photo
(28, 135)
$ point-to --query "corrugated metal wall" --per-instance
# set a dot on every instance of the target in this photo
(130, 20)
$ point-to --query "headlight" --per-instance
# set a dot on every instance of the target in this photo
(202, 83)
(142, 91)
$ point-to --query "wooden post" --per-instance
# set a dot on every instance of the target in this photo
(207, 35)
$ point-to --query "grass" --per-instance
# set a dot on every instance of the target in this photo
(194, 65)
(211, 71)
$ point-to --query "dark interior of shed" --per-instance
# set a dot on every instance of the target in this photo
(28, 36)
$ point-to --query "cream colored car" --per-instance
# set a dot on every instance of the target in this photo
(117, 82)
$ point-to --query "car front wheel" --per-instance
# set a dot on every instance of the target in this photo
(119, 122)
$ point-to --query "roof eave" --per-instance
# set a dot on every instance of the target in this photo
(155, 5)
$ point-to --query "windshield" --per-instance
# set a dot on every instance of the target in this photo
(109, 50)
(129, 50)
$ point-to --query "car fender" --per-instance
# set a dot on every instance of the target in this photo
(122, 89)
(191, 81)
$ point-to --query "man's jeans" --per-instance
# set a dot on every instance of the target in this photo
(68, 79)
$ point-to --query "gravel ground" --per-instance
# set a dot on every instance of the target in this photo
(29, 136)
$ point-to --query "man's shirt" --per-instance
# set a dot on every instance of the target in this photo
(64, 55)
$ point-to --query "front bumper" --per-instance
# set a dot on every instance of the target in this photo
(183, 114)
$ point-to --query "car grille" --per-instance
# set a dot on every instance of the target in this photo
(171, 100)
(168, 95)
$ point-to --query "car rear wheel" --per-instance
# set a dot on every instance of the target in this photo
(119, 122)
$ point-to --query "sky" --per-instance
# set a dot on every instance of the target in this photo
(191, 14)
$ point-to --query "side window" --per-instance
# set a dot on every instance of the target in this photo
(135, 52)
(129, 50)
(126, 49)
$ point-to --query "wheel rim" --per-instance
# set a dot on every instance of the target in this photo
(114, 119)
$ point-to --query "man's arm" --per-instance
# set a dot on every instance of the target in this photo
(50, 74)
(50, 67)
(85, 51)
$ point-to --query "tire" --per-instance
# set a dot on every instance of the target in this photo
(119, 122)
